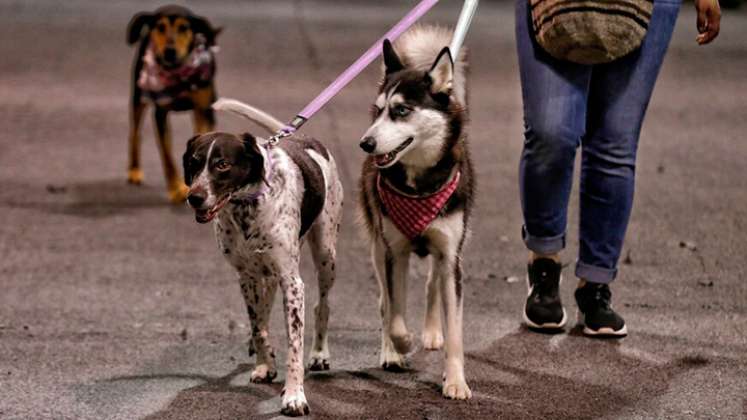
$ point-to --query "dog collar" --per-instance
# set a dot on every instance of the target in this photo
(164, 86)
(413, 214)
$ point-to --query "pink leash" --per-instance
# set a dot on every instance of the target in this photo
(351, 72)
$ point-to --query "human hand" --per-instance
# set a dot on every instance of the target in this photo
(709, 20)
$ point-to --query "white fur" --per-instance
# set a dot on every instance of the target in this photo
(442, 75)
(444, 236)
(322, 162)
(261, 118)
(202, 181)
(419, 47)
(427, 127)
(430, 131)
(261, 242)
(381, 101)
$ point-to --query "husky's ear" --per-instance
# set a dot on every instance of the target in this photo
(442, 73)
(392, 63)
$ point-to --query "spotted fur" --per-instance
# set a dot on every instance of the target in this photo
(281, 196)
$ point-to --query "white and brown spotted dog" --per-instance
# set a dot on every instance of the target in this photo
(264, 201)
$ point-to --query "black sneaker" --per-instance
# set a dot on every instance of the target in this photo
(543, 309)
(595, 313)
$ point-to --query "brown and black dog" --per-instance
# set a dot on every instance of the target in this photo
(174, 70)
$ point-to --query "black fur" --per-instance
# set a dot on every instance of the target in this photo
(313, 179)
(248, 167)
(388, 272)
(197, 96)
(391, 60)
(145, 20)
(247, 163)
(137, 30)
(137, 23)
(432, 90)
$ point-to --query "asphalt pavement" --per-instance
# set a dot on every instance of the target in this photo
(115, 304)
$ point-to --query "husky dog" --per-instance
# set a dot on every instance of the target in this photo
(416, 193)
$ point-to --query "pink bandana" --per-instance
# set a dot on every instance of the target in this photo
(412, 215)
(163, 86)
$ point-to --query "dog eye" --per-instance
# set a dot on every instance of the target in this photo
(161, 27)
(223, 166)
(182, 28)
(401, 111)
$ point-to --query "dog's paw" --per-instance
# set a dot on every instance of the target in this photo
(456, 390)
(294, 403)
(178, 193)
(393, 362)
(404, 344)
(263, 374)
(135, 176)
(433, 340)
(318, 362)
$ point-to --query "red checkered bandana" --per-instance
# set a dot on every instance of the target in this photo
(412, 215)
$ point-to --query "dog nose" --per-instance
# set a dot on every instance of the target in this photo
(368, 144)
(169, 54)
(195, 199)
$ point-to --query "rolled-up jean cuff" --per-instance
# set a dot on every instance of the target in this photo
(543, 245)
(594, 274)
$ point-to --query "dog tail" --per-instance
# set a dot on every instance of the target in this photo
(261, 118)
(419, 47)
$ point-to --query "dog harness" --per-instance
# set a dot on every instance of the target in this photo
(413, 214)
(164, 86)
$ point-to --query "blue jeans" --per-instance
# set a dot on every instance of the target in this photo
(601, 109)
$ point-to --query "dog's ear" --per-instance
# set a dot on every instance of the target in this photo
(187, 157)
(191, 142)
(250, 144)
(217, 31)
(200, 25)
(137, 23)
(442, 73)
(256, 160)
(392, 63)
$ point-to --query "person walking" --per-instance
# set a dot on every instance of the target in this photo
(599, 107)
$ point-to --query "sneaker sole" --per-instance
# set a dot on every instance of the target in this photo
(602, 332)
(546, 325)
